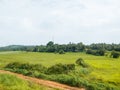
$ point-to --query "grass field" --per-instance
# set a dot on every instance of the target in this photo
(11, 82)
(103, 68)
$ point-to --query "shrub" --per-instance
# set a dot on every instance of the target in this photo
(115, 54)
(17, 67)
(70, 67)
(81, 62)
(60, 68)
(61, 52)
(13, 65)
(89, 51)
(39, 68)
(69, 80)
(41, 75)
(100, 52)
(25, 66)
(21, 71)
(96, 52)
(63, 78)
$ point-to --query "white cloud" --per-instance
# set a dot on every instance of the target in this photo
(37, 21)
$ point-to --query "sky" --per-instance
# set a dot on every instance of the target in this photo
(36, 22)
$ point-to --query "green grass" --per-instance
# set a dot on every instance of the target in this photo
(46, 59)
(106, 70)
(11, 82)
(103, 68)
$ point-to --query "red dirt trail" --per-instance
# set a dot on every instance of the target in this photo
(47, 83)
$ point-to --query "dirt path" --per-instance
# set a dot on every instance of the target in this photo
(44, 82)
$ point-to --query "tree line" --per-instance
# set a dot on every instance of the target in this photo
(71, 47)
(98, 49)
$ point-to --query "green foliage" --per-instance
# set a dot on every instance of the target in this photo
(61, 52)
(70, 47)
(30, 69)
(50, 43)
(36, 49)
(11, 82)
(78, 81)
(17, 48)
(60, 68)
(25, 67)
(13, 65)
(81, 62)
(100, 52)
(102, 69)
(63, 78)
(115, 54)
(96, 52)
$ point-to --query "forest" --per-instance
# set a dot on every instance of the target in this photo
(70, 47)
(98, 49)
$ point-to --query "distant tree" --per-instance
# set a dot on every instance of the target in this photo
(61, 52)
(100, 52)
(80, 47)
(42, 48)
(50, 43)
(89, 51)
(96, 52)
(50, 47)
(115, 54)
(36, 49)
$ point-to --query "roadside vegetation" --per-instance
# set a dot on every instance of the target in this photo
(11, 82)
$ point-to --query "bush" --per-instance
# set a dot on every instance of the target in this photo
(61, 52)
(63, 78)
(13, 65)
(25, 66)
(100, 52)
(39, 68)
(96, 52)
(115, 54)
(89, 51)
(17, 67)
(63, 75)
(70, 67)
(21, 71)
(60, 68)
(81, 62)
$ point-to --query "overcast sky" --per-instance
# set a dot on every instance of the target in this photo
(34, 22)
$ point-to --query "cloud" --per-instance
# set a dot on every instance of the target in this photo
(38, 21)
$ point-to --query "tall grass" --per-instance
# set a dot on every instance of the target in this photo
(11, 82)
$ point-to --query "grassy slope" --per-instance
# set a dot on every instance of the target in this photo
(104, 68)
(18, 84)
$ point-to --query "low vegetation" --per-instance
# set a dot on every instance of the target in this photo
(96, 52)
(81, 62)
(101, 73)
(66, 74)
(61, 52)
(60, 68)
(115, 54)
(11, 82)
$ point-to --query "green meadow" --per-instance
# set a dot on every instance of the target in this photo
(102, 68)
